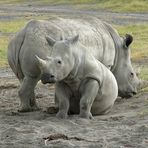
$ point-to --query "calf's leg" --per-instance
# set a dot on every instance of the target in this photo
(63, 94)
(89, 90)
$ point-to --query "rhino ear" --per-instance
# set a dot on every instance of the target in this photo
(74, 39)
(61, 37)
(128, 40)
(40, 61)
(50, 40)
(49, 58)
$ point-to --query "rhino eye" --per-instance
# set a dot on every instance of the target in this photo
(132, 74)
(59, 62)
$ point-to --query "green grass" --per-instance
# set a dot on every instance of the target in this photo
(11, 1)
(144, 73)
(139, 47)
(124, 5)
(6, 28)
(12, 26)
(112, 5)
(3, 47)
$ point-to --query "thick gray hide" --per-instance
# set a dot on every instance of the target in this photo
(83, 84)
(99, 38)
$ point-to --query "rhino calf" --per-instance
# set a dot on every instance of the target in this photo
(83, 84)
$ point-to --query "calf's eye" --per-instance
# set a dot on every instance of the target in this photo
(132, 74)
(59, 62)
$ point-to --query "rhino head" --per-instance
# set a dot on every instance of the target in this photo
(60, 63)
(124, 73)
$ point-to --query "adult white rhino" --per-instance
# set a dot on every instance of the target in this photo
(99, 37)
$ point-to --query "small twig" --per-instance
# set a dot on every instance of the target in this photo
(64, 137)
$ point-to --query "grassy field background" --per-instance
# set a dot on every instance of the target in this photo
(111, 5)
(139, 31)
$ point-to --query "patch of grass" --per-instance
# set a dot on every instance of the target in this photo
(124, 5)
(144, 112)
(140, 43)
(112, 5)
(7, 28)
(3, 50)
(12, 26)
(11, 1)
(143, 73)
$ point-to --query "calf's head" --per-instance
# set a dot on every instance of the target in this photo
(124, 73)
(61, 61)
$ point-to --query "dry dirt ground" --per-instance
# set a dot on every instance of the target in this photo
(126, 126)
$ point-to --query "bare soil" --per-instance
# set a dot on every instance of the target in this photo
(126, 126)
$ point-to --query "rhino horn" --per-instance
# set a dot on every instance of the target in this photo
(49, 58)
(128, 40)
(41, 62)
(50, 40)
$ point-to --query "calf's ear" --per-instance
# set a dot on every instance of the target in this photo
(128, 40)
(61, 37)
(74, 39)
(41, 62)
(50, 40)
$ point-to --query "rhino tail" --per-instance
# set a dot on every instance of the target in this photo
(14, 48)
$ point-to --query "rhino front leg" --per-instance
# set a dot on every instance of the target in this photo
(89, 90)
(27, 95)
(62, 97)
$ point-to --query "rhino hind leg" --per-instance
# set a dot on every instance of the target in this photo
(27, 95)
(103, 106)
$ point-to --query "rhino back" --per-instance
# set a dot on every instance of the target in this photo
(13, 53)
(31, 41)
(93, 34)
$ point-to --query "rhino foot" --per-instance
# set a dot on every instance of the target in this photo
(28, 109)
(22, 110)
(86, 115)
(52, 110)
(35, 108)
(61, 115)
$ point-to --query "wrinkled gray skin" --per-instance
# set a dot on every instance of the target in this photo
(83, 84)
(101, 40)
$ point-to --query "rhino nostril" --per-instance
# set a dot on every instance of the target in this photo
(134, 92)
(51, 76)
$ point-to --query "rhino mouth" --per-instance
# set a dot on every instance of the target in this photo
(49, 81)
(127, 94)
(47, 78)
